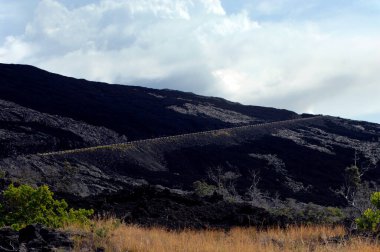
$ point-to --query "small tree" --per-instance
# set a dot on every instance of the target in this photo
(370, 220)
(352, 177)
(353, 189)
(256, 196)
(225, 182)
(25, 205)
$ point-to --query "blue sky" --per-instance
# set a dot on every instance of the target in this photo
(308, 56)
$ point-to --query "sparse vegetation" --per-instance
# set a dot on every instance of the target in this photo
(370, 220)
(363, 202)
(24, 205)
(225, 182)
(306, 214)
(290, 209)
(352, 184)
(111, 235)
(255, 195)
(203, 189)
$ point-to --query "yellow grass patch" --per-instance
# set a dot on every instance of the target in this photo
(115, 236)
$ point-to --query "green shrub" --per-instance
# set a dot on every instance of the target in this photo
(375, 199)
(370, 219)
(203, 189)
(352, 176)
(25, 205)
(301, 213)
(312, 213)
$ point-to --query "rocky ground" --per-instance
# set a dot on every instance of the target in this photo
(34, 238)
(303, 160)
(25, 131)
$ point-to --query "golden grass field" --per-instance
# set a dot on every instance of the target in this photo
(111, 235)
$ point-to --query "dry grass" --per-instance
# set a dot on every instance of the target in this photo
(114, 236)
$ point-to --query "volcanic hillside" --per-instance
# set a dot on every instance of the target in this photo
(138, 136)
(132, 111)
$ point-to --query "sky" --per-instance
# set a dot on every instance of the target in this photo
(313, 56)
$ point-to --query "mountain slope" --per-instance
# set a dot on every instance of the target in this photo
(302, 157)
(26, 131)
(135, 112)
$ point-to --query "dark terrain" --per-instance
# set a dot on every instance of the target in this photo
(302, 157)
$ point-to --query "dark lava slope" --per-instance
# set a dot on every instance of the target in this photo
(26, 131)
(303, 157)
(135, 112)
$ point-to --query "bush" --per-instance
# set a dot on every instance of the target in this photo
(375, 199)
(370, 219)
(25, 205)
(203, 189)
(307, 214)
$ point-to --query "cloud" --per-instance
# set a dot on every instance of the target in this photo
(268, 53)
(15, 50)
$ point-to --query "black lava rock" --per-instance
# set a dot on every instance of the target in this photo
(34, 238)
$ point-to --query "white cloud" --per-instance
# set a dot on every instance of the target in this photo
(15, 50)
(195, 45)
